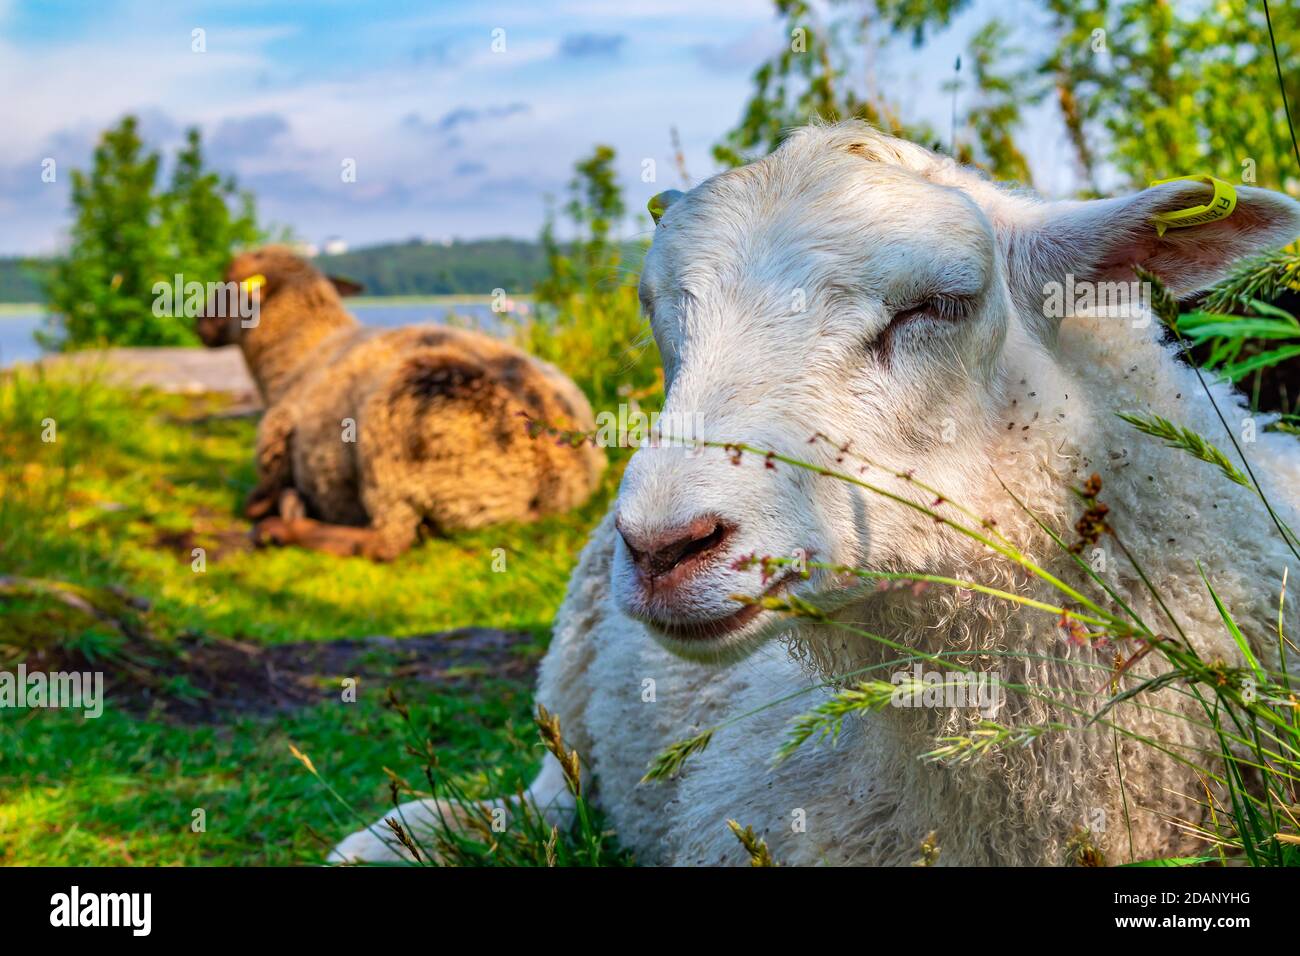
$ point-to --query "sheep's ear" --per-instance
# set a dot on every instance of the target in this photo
(1102, 240)
(346, 286)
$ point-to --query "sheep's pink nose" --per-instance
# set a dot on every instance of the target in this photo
(670, 555)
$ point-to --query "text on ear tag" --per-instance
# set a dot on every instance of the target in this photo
(1219, 207)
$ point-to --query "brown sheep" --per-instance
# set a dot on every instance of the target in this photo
(370, 434)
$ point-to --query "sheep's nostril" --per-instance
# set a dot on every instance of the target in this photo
(660, 553)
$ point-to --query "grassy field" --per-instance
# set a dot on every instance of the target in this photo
(115, 506)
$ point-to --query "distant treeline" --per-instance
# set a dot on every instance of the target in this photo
(403, 268)
(21, 279)
(462, 268)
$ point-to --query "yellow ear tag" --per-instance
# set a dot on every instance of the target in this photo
(253, 282)
(1219, 207)
(659, 203)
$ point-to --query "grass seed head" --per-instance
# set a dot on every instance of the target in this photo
(1082, 850)
(929, 850)
(548, 727)
(759, 854)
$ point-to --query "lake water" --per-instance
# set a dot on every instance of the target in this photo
(18, 345)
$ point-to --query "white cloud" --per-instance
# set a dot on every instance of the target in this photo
(59, 95)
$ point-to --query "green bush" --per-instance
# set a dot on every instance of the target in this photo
(588, 320)
(128, 236)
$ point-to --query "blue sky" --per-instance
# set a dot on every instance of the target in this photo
(449, 137)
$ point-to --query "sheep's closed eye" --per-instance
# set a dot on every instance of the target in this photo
(944, 308)
(939, 309)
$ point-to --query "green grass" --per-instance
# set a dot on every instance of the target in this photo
(121, 790)
(112, 501)
(134, 481)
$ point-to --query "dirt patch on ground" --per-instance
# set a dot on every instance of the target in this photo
(215, 544)
(200, 678)
(203, 677)
(235, 676)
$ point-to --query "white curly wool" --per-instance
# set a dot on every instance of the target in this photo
(860, 227)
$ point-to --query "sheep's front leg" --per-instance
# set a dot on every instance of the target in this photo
(548, 798)
(292, 527)
(344, 541)
(274, 465)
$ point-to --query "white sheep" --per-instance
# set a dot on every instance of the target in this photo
(859, 286)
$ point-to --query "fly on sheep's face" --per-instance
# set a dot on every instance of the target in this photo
(876, 293)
